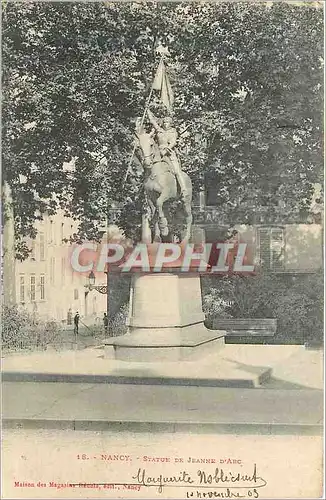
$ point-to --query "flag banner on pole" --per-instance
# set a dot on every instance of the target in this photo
(162, 84)
(157, 83)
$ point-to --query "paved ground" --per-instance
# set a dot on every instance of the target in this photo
(161, 407)
(291, 466)
(234, 363)
(279, 405)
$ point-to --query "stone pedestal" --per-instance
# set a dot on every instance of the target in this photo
(166, 320)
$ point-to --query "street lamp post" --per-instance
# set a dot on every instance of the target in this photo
(90, 285)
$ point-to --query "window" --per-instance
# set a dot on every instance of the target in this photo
(277, 248)
(63, 270)
(62, 233)
(51, 231)
(75, 294)
(42, 246)
(33, 250)
(214, 197)
(52, 270)
(22, 288)
(42, 287)
(271, 248)
(32, 289)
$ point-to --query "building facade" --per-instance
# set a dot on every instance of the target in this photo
(46, 284)
(278, 245)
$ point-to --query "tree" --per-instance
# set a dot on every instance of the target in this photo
(247, 82)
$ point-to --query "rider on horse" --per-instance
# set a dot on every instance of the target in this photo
(163, 174)
(167, 138)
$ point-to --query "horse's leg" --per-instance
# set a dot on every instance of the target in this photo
(146, 230)
(154, 222)
(157, 232)
(162, 221)
(187, 205)
(146, 220)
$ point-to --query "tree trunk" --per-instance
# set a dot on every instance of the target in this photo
(8, 252)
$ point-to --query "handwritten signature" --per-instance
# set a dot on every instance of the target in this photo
(218, 483)
(219, 478)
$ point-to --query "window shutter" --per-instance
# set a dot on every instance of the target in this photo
(264, 247)
(277, 248)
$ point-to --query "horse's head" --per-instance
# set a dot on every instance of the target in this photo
(146, 144)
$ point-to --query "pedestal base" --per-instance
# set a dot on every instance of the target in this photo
(166, 320)
(142, 347)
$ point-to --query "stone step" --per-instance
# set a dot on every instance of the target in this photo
(164, 408)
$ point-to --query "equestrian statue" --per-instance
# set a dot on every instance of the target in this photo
(164, 178)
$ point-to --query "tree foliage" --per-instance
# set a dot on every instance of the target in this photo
(295, 301)
(247, 82)
(21, 330)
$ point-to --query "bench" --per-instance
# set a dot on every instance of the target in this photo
(250, 327)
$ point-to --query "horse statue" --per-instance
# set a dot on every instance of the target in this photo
(160, 185)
